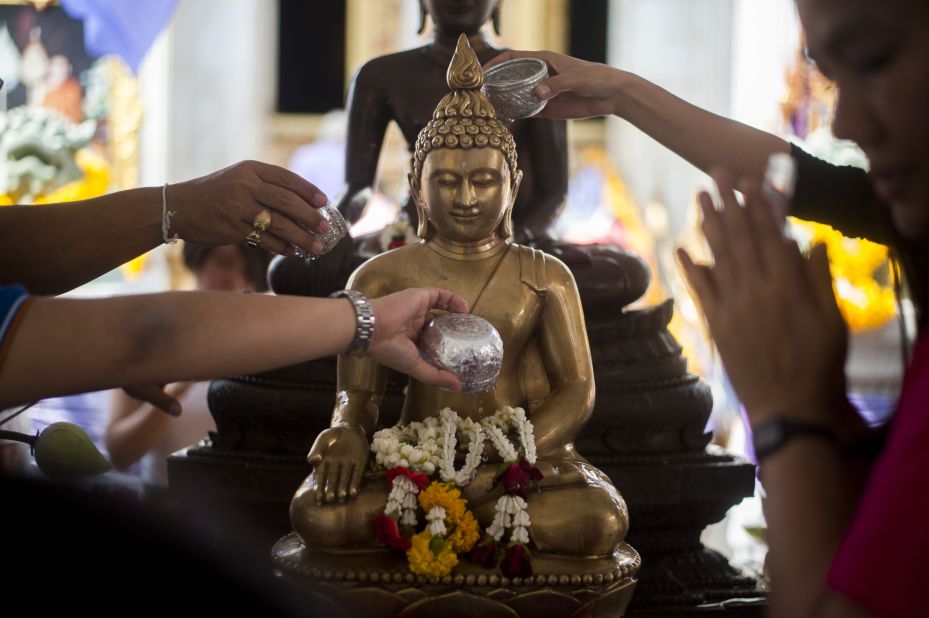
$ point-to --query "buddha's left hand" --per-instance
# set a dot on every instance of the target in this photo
(399, 319)
(771, 311)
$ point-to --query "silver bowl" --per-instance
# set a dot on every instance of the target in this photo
(337, 231)
(466, 345)
(509, 86)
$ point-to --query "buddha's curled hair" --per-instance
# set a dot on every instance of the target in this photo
(464, 118)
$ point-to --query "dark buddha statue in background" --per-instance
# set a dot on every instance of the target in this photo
(403, 87)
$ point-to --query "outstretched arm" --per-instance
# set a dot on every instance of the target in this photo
(69, 345)
(136, 426)
(70, 244)
(581, 89)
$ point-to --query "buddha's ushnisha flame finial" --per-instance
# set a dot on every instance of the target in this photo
(464, 72)
(464, 118)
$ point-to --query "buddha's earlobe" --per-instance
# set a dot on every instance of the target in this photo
(423, 229)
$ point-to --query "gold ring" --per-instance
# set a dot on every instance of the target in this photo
(253, 239)
(262, 221)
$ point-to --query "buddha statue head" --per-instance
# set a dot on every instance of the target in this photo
(456, 16)
(464, 177)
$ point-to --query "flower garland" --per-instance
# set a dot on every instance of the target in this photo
(413, 453)
(511, 433)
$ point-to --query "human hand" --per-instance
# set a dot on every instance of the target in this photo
(771, 311)
(575, 88)
(339, 457)
(157, 395)
(219, 208)
(398, 320)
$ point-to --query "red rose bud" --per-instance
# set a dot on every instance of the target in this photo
(515, 480)
(516, 562)
(484, 553)
(388, 533)
(420, 480)
(534, 473)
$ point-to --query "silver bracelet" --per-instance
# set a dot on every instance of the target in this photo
(364, 319)
(166, 218)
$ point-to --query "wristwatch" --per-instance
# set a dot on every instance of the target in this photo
(364, 319)
(772, 435)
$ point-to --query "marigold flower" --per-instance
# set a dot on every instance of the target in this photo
(424, 562)
(466, 533)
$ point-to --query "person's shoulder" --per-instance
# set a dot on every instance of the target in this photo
(376, 67)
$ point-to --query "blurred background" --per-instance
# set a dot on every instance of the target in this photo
(102, 95)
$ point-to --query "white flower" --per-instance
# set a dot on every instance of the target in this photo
(408, 518)
(436, 519)
(522, 519)
(520, 535)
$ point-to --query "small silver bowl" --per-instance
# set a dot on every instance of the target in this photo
(338, 230)
(466, 345)
(510, 85)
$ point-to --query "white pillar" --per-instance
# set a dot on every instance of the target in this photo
(223, 83)
(685, 47)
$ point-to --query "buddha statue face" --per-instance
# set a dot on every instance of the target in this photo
(464, 178)
(459, 15)
(467, 195)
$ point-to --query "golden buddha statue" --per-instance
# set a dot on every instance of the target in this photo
(464, 182)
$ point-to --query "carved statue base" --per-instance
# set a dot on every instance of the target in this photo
(648, 435)
(378, 584)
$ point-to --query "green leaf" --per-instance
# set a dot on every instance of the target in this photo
(437, 544)
(63, 451)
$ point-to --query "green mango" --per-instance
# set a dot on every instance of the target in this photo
(64, 452)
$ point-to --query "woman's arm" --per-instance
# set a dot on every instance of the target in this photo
(68, 345)
(70, 244)
(581, 89)
(136, 426)
(782, 339)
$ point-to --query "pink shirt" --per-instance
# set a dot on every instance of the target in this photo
(883, 562)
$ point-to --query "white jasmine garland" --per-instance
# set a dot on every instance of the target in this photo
(510, 513)
(401, 501)
(511, 420)
(436, 519)
(452, 425)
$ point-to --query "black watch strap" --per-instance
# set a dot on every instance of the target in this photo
(770, 436)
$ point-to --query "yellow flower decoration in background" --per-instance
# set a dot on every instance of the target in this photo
(465, 535)
(424, 562)
(96, 180)
(864, 294)
(449, 498)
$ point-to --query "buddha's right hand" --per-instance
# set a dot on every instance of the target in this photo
(339, 458)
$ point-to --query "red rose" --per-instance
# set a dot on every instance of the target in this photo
(388, 533)
(516, 562)
(420, 480)
(484, 553)
(517, 477)
(534, 473)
